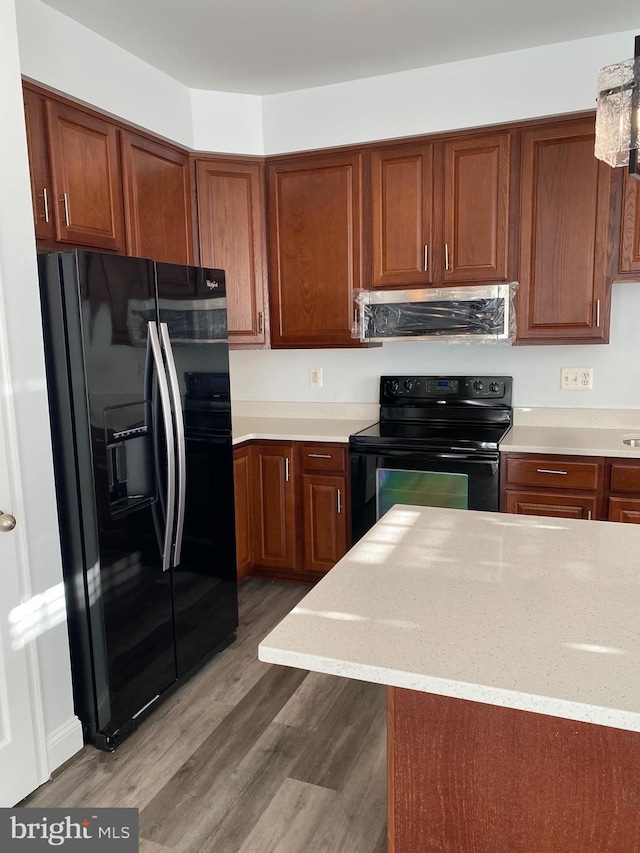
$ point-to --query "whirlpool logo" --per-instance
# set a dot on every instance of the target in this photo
(69, 829)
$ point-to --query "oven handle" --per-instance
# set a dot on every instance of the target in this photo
(407, 456)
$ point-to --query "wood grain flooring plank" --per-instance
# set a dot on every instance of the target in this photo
(178, 805)
(210, 768)
(345, 732)
(237, 800)
(290, 824)
(312, 701)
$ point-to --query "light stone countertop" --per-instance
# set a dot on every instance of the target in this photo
(537, 614)
(296, 429)
(573, 441)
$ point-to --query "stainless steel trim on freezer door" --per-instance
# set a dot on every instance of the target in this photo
(169, 434)
(180, 439)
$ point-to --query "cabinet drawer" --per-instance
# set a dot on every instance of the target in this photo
(323, 457)
(624, 509)
(552, 472)
(624, 477)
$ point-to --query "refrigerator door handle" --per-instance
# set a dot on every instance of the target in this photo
(169, 442)
(174, 385)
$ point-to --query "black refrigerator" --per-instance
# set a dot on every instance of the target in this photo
(138, 378)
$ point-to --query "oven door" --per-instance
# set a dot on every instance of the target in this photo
(381, 478)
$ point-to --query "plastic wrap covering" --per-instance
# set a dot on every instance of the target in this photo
(189, 320)
(483, 314)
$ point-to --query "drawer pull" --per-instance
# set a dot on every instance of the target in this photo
(319, 455)
(550, 471)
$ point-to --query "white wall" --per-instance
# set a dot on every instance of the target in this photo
(352, 376)
(63, 55)
(509, 86)
(227, 123)
(24, 389)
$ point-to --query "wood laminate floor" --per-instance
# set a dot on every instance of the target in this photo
(247, 757)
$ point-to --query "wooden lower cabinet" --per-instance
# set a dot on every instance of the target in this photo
(243, 502)
(469, 776)
(553, 486)
(626, 510)
(587, 487)
(275, 531)
(553, 504)
(292, 508)
(325, 521)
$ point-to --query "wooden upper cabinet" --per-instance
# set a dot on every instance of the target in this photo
(157, 200)
(477, 186)
(314, 208)
(39, 167)
(231, 215)
(630, 233)
(441, 212)
(402, 215)
(565, 292)
(87, 180)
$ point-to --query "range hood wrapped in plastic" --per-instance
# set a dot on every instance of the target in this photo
(457, 314)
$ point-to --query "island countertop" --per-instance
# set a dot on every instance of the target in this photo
(537, 614)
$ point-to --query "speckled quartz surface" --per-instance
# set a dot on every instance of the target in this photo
(572, 441)
(296, 429)
(532, 613)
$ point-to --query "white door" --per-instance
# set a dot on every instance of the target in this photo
(18, 761)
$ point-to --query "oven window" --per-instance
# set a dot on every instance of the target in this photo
(422, 488)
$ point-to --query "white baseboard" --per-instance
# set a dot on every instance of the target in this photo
(63, 743)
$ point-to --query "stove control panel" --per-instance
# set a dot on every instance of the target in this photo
(406, 390)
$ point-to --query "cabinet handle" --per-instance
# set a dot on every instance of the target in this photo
(426, 258)
(446, 256)
(319, 455)
(65, 201)
(549, 471)
(339, 501)
(260, 322)
(45, 204)
(588, 515)
(286, 469)
(597, 313)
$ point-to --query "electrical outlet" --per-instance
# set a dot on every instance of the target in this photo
(315, 377)
(576, 378)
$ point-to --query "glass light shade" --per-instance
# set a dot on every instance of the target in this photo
(616, 132)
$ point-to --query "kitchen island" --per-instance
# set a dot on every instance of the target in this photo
(511, 648)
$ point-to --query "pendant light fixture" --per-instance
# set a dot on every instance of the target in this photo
(618, 113)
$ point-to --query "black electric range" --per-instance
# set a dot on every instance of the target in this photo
(436, 444)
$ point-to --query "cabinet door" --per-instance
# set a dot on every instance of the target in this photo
(243, 494)
(325, 521)
(477, 184)
(630, 234)
(315, 248)
(231, 218)
(39, 168)
(157, 200)
(87, 181)
(560, 505)
(275, 510)
(565, 289)
(626, 510)
(402, 215)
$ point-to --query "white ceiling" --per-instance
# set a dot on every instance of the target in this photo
(265, 46)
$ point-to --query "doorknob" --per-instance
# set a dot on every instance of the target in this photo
(7, 522)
